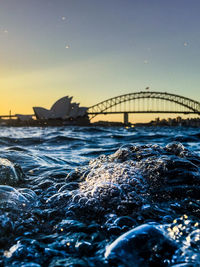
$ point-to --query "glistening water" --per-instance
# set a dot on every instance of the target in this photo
(85, 196)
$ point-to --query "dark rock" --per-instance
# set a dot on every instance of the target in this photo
(11, 197)
(84, 248)
(143, 246)
(10, 173)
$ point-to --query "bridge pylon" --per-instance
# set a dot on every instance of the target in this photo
(126, 122)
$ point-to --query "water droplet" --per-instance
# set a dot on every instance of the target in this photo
(67, 46)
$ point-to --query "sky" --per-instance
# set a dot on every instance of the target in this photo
(96, 49)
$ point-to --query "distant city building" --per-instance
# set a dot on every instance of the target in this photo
(61, 109)
(178, 121)
(22, 117)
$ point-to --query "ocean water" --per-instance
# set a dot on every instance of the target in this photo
(94, 196)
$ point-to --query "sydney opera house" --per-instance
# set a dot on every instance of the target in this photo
(63, 110)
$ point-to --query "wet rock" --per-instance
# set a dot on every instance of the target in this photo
(77, 175)
(188, 234)
(185, 265)
(125, 221)
(194, 240)
(6, 227)
(25, 264)
(71, 225)
(114, 230)
(84, 248)
(29, 194)
(143, 246)
(113, 186)
(45, 184)
(27, 250)
(170, 177)
(11, 197)
(69, 262)
(177, 148)
(60, 198)
(31, 264)
(10, 173)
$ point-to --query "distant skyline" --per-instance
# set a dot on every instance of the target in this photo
(96, 49)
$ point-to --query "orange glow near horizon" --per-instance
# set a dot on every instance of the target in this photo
(23, 91)
(139, 118)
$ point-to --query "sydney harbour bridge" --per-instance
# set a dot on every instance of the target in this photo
(145, 102)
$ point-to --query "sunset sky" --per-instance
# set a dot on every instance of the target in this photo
(96, 49)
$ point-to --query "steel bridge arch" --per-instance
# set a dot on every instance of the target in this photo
(190, 104)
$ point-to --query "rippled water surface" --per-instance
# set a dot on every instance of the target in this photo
(86, 196)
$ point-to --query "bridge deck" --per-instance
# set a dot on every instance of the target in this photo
(151, 112)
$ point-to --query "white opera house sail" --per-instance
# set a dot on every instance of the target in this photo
(62, 109)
